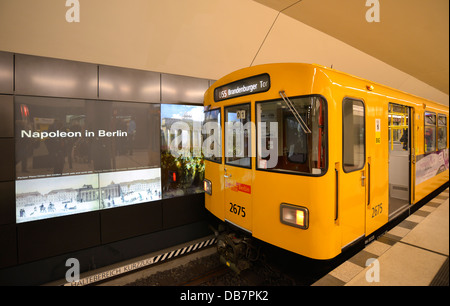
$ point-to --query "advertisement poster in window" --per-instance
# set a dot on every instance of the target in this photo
(430, 165)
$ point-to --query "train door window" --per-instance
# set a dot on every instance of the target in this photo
(212, 136)
(398, 128)
(237, 135)
(292, 138)
(430, 132)
(399, 157)
(442, 132)
(353, 135)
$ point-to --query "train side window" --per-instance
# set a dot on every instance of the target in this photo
(430, 132)
(212, 136)
(237, 135)
(353, 131)
(442, 132)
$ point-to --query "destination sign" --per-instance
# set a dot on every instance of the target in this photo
(248, 86)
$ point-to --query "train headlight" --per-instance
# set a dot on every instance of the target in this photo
(294, 216)
(207, 186)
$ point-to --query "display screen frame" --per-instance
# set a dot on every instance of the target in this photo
(104, 176)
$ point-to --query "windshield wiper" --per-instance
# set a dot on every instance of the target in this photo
(297, 116)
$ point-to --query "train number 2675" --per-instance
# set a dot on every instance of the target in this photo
(237, 210)
(376, 210)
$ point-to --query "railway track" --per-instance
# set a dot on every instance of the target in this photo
(206, 277)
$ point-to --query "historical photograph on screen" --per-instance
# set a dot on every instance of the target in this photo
(129, 187)
(53, 197)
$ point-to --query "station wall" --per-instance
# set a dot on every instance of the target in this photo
(35, 252)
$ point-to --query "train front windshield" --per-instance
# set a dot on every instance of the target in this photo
(292, 135)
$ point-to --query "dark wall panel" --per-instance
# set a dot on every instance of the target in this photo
(54, 269)
(128, 84)
(166, 222)
(183, 210)
(7, 159)
(8, 245)
(7, 203)
(51, 237)
(6, 116)
(182, 89)
(126, 222)
(6, 72)
(43, 76)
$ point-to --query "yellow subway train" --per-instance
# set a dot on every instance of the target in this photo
(313, 160)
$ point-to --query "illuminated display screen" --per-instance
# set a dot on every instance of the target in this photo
(252, 85)
(129, 187)
(75, 156)
(182, 163)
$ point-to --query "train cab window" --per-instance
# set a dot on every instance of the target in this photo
(237, 135)
(292, 138)
(430, 132)
(353, 135)
(212, 136)
(442, 132)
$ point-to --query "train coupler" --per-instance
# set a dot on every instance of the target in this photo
(235, 252)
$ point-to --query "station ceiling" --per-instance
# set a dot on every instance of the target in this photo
(412, 35)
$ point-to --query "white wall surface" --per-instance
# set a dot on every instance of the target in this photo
(199, 38)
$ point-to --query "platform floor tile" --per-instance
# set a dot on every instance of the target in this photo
(414, 253)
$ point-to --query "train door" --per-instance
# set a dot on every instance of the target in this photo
(352, 181)
(399, 158)
(237, 170)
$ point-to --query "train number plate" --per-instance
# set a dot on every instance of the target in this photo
(237, 210)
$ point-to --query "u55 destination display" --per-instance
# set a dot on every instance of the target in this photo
(251, 85)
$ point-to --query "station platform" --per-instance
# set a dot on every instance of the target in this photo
(414, 253)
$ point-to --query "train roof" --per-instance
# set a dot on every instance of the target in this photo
(333, 75)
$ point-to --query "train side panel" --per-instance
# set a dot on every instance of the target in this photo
(377, 138)
(431, 170)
